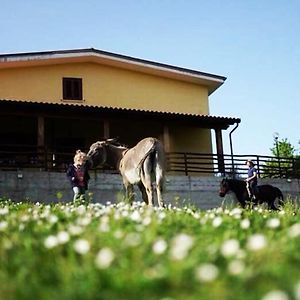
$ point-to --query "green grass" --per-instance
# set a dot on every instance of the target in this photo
(63, 251)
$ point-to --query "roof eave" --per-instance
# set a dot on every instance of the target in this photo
(212, 81)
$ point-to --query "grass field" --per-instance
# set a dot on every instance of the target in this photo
(118, 251)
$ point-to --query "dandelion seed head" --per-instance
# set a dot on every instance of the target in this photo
(159, 246)
(51, 242)
(217, 221)
(104, 258)
(236, 267)
(273, 223)
(276, 295)
(206, 272)
(245, 223)
(63, 237)
(180, 246)
(256, 242)
(230, 247)
(82, 246)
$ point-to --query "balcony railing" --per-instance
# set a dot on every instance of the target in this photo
(14, 157)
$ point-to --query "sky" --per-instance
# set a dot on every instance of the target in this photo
(255, 44)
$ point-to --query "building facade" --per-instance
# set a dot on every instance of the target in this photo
(55, 102)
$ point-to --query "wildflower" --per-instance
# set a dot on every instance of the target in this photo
(63, 237)
(4, 211)
(297, 290)
(276, 295)
(132, 239)
(3, 225)
(217, 221)
(104, 258)
(273, 223)
(75, 230)
(236, 213)
(159, 246)
(230, 247)
(245, 224)
(207, 272)
(294, 230)
(256, 242)
(52, 219)
(82, 246)
(236, 267)
(135, 216)
(181, 244)
(50, 242)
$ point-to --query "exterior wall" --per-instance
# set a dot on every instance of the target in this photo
(180, 190)
(194, 139)
(104, 86)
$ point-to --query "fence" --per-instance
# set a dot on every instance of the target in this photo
(32, 157)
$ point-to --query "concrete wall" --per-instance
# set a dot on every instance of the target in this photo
(180, 190)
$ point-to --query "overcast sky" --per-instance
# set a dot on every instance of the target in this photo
(254, 43)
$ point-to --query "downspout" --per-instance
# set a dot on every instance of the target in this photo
(231, 149)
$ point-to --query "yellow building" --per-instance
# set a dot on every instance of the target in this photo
(59, 101)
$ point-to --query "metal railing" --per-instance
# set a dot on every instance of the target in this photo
(14, 157)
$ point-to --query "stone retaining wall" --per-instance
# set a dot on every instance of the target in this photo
(180, 190)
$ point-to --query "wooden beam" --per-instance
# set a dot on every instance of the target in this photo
(166, 137)
(220, 153)
(106, 129)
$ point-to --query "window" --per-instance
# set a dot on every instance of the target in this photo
(72, 88)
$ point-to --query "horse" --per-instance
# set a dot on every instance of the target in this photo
(143, 165)
(265, 193)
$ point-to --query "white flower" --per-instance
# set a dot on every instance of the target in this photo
(4, 211)
(181, 244)
(217, 221)
(132, 239)
(236, 267)
(276, 295)
(3, 225)
(294, 230)
(63, 237)
(51, 242)
(236, 213)
(159, 246)
(206, 272)
(256, 242)
(104, 258)
(297, 290)
(52, 219)
(230, 247)
(273, 223)
(82, 246)
(75, 230)
(245, 224)
(135, 216)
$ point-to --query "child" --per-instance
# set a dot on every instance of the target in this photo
(78, 176)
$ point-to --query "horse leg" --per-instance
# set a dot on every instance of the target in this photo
(129, 191)
(159, 185)
(146, 180)
(143, 191)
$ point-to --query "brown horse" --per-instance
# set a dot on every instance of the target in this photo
(265, 193)
(139, 165)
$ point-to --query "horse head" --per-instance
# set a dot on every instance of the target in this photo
(224, 187)
(97, 154)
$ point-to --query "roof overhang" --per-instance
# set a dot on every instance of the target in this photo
(211, 81)
(71, 110)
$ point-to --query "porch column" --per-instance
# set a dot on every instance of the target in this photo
(106, 129)
(166, 138)
(41, 150)
(220, 154)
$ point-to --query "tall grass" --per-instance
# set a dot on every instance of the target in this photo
(118, 251)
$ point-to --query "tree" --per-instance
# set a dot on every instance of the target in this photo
(283, 162)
